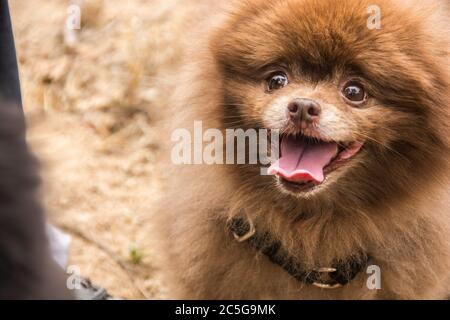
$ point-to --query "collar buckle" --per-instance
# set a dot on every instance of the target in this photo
(325, 281)
(246, 226)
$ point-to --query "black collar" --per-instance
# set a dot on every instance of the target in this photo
(339, 274)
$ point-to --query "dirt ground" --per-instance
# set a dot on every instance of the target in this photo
(91, 98)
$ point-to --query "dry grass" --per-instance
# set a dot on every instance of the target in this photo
(91, 101)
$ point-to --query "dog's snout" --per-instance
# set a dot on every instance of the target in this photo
(304, 110)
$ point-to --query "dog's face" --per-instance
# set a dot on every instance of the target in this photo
(360, 110)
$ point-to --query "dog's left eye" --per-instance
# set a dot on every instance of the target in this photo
(277, 81)
(354, 92)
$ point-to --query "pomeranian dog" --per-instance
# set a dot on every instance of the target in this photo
(358, 205)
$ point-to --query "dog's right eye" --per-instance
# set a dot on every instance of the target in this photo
(277, 81)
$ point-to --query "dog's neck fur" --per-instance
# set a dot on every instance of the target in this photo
(318, 232)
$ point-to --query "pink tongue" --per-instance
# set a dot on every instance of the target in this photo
(301, 161)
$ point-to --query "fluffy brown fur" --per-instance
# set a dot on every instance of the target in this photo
(391, 201)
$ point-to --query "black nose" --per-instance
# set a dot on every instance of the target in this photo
(304, 110)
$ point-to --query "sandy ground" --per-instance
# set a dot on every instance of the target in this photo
(91, 99)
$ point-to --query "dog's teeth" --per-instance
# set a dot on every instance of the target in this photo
(336, 153)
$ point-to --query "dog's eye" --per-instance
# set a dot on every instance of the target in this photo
(277, 81)
(354, 92)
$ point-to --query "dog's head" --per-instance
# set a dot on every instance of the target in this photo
(358, 92)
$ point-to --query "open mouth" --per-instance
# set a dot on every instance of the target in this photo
(305, 162)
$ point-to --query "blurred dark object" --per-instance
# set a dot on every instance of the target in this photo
(27, 270)
(9, 76)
